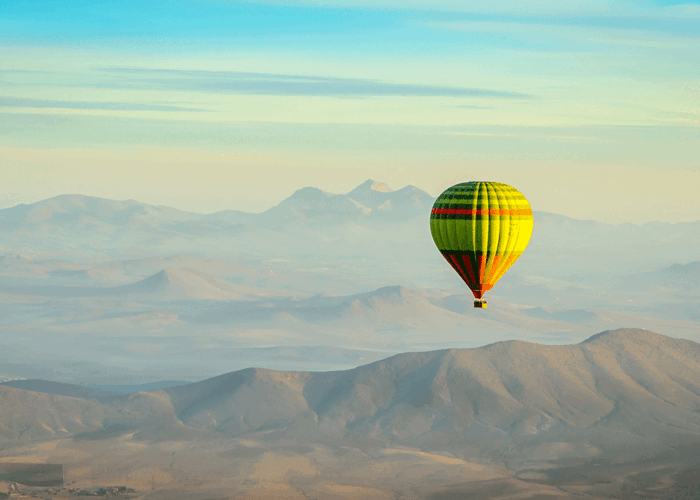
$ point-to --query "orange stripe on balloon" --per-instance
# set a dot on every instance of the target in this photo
(480, 211)
(482, 269)
(495, 268)
(480, 290)
(509, 262)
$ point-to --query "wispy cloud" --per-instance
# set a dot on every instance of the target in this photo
(593, 8)
(238, 82)
(18, 102)
(472, 106)
(25, 71)
(576, 138)
(553, 34)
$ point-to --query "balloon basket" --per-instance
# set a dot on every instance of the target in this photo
(480, 304)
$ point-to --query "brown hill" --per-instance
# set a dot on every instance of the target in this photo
(621, 389)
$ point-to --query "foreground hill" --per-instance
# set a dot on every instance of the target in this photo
(619, 390)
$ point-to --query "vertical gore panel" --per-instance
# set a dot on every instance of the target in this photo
(504, 227)
(495, 268)
(493, 227)
(481, 259)
(481, 224)
(452, 259)
(467, 260)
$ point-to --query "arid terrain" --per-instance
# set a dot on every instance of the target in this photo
(353, 362)
(616, 416)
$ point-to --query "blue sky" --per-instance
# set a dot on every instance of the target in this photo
(591, 109)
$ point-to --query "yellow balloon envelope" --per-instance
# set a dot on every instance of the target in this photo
(481, 228)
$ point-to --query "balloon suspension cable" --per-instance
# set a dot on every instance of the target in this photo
(480, 304)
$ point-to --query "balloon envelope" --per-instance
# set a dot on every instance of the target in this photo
(481, 228)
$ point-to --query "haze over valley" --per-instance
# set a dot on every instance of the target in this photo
(125, 293)
(325, 349)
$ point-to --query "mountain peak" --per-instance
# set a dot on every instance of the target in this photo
(690, 268)
(380, 186)
(310, 193)
(625, 335)
(371, 185)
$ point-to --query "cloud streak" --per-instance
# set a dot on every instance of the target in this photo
(18, 102)
(555, 8)
(238, 82)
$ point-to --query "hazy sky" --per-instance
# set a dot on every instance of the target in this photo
(590, 108)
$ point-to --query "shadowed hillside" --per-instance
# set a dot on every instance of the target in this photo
(619, 388)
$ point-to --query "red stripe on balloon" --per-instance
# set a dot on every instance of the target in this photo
(470, 268)
(480, 211)
(482, 269)
(455, 264)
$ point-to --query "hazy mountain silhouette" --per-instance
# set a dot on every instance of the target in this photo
(675, 278)
(371, 194)
(166, 285)
(312, 224)
(25, 269)
(189, 284)
(315, 204)
(59, 389)
(387, 204)
(80, 214)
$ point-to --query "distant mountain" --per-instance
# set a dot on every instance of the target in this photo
(565, 247)
(685, 277)
(369, 201)
(86, 392)
(679, 278)
(169, 284)
(387, 204)
(189, 284)
(387, 317)
(393, 307)
(372, 233)
(314, 204)
(78, 227)
(570, 316)
(621, 389)
(59, 389)
(79, 214)
(371, 194)
(23, 269)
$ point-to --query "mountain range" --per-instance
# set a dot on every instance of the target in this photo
(371, 222)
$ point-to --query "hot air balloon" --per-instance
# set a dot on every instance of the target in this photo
(481, 228)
